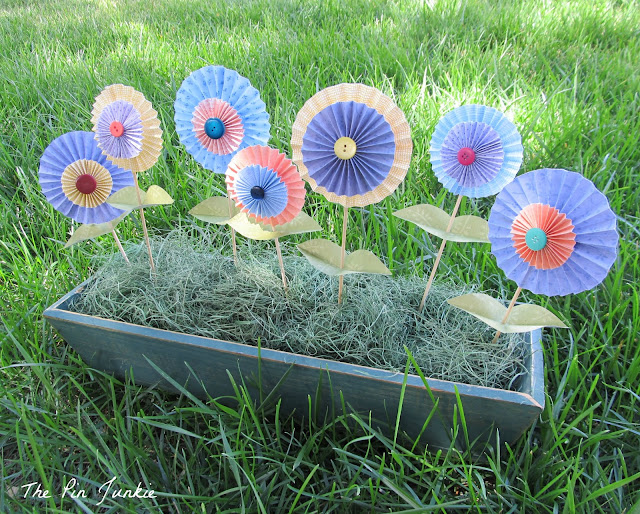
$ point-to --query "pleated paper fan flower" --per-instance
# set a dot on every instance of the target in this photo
(127, 128)
(475, 151)
(266, 185)
(218, 113)
(352, 144)
(553, 232)
(76, 178)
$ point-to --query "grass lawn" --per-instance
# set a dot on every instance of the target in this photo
(566, 73)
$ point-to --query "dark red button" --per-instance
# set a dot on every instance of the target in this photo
(466, 156)
(86, 184)
(116, 129)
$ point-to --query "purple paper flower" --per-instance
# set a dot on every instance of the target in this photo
(76, 178)
(553, 232)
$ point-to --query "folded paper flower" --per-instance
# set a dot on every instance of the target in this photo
(127, 128)
(352, 144)
(76, 178)
(553, 232)
(218, 113)
(475, 151)
(265, 184)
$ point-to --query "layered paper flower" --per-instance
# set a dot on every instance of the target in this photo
(218, 113)
(127, 128)
(76, 178)
(553, 233)
(475, 151)
(352, 144)
(265, 184)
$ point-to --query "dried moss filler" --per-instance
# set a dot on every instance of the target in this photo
(202, 292)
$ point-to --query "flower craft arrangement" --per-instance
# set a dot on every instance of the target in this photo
(551, 231)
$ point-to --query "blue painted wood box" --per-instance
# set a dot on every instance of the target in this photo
(118, 347)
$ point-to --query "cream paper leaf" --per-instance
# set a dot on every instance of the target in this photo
(215, 210)
(465, 229)
(324, 255)
(523, 318)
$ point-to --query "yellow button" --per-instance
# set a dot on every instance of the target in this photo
(345, 148)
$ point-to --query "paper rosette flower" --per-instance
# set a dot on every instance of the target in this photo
(352, 144)
(475, 151)
(553, 233)
(218, 113)
(76, 178)
(127, 128)
(266, 185)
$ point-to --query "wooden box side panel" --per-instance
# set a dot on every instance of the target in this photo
(119, 347)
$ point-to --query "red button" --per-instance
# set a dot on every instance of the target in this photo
(86, 184)
(466, 156)
(116, 129)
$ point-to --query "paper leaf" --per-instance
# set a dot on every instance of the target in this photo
(127, 198)
(523, 318)
(248, 228)
(214, 210)
(324, 255)
(465, 229)
(93, 230)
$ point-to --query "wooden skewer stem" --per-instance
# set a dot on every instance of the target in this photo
(345, 219)
(440, 252)
(144, 224)
(115, 236)
(508, 313)
(284, 277)
(233, 234)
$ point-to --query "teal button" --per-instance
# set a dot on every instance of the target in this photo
(536, 239)
(214, 128)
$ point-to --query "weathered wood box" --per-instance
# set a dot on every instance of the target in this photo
(118, 347)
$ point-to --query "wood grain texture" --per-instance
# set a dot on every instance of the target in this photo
(119, 347)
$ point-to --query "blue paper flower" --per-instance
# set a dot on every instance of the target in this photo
(475, 151)
(553, 232)
(76, 178)
(217, 114)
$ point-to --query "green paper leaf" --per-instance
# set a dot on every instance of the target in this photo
(93, 230)
(325, 255)
(523, 318)
(214, 210)
(465, 229)
(248, 228)
(127, 198)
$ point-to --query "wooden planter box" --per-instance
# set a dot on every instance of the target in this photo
(118, 347)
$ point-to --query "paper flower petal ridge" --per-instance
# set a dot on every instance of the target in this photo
(352, 144)
(266, 185)
(553, 232)
(218, 113)
(127, 128)
(475, 151)
(76, 178)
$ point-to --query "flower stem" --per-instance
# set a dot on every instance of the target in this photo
(144, 223)
(115, 236)
(233, 234)
(508, 313)
(345, 219)
(440, 252)
(284, 277)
